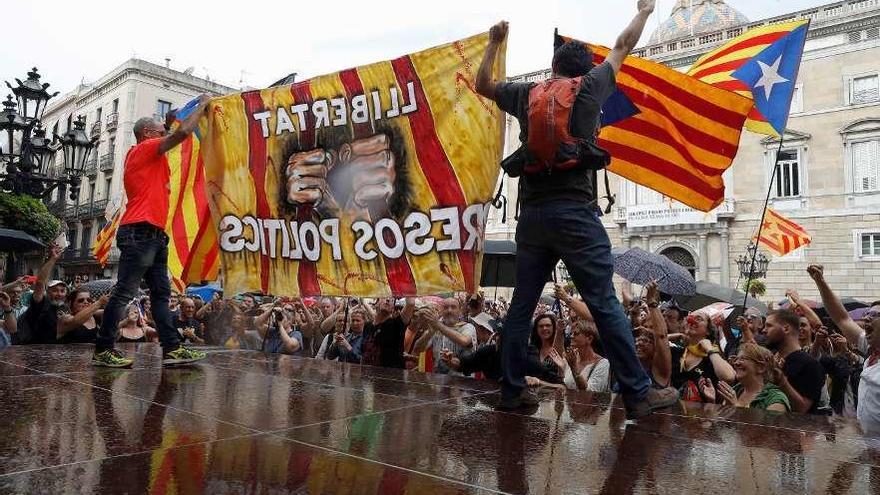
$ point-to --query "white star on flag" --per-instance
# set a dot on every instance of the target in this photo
(770, 77)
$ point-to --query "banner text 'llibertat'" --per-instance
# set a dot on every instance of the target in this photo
(337, 112)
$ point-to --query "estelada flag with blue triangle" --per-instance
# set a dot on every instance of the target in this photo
(762, 64)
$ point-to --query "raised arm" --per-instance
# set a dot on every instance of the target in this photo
(835, 308)
(662, 353)
(44, 274)
(485, 84)
(809, 314)
(185, 128)
(69, 322)
(408, 310)
(630, 36)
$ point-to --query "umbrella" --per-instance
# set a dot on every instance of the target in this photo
(852, 304)
(640, 267)
(708, 293)
(19, 241)
(858, 313)
(98, 288)
(499, 264)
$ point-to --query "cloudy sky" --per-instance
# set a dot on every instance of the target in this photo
(239, 43)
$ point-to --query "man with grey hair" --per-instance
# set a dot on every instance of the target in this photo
(143, 243)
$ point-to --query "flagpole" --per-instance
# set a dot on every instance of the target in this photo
(761, 224)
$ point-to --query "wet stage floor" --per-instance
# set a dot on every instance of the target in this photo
(243, 422)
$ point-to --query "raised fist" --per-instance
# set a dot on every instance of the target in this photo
(307, 177)
(370, 164)
(363, 173)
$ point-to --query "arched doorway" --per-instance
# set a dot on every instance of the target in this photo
(681, 257)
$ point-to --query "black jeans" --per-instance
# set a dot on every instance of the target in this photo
(144, 257)
(572, 232)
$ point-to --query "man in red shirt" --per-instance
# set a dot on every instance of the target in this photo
(143, 243)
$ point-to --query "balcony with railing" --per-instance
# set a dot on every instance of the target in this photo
(91, 168)
(112, 121)
(107, 162)
(84, 211)
(96, 128)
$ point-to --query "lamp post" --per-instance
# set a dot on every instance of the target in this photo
(26, 152)
(744, 262)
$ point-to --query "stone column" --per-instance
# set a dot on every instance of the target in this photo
(725, 259)
(703, 273)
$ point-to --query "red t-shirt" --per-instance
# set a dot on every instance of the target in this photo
(147, 184)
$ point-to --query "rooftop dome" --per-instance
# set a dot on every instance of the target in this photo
(692, 17)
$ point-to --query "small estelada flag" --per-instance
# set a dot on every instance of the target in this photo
(781, 235)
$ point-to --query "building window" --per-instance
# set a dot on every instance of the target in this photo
(788, 174)
(865, 89)
(98, 114)
(162, 109)
(111, 145)
(866, 244)
(866, 170)
(116, 105)
(69, 122)
(637, 194)
(797, 99)
(108, 181)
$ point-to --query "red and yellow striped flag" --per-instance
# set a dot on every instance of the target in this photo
(717, 67)
(671, 132)
(781, 235)
(104, 241)
(193, 251)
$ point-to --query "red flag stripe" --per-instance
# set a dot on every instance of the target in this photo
(432, 157)
(732, 85)
(699, 105)
(764, 39)
(666, 168)
(257, 158)
(178, 223)
(657, 133)
(786, 221)
(307, 271)
(397, 271)
(702, 139)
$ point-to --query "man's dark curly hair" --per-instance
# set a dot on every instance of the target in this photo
(572, 59)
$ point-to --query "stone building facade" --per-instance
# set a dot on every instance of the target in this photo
(829, 178)
(111, 105)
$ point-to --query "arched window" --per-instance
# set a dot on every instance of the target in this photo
(681, 257)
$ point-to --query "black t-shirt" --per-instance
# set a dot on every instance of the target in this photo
(82, 334)
(577, 184)
(806, 375)
(193, 323)
(388, 336)
(42, 317)
(681, 377)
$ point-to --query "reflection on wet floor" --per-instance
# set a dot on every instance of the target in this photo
(243, 422)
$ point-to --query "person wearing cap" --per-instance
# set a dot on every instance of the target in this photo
(487, 358)
(47, 303)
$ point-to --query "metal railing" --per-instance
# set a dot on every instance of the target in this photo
(107, 161)
(112, 121)
(96, 128)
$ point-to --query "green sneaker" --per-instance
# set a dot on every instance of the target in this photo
(111, 358)
(182, 355)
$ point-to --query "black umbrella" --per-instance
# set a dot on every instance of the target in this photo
(708, 293)
(19, 241)
(640, 267)
(499, 264)
(98, 288)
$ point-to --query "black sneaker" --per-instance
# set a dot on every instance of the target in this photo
(656, 398)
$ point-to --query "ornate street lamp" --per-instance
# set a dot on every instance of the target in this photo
(26, 153)
(32, 96)
(13, 129)
(744, 262)
(77, 146)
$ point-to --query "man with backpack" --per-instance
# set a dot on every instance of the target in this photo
(559, 119)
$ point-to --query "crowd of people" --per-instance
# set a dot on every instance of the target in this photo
(789, 360)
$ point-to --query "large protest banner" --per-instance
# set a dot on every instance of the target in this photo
(368, 182)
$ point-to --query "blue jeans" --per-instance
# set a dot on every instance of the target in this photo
(144, 257)
(572, 232)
